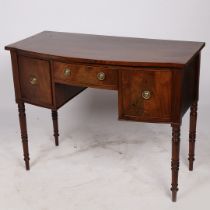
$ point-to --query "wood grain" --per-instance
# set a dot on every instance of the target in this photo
(109, 49)
(168, 70)
(85, 75)
(134, 106)
(39, 93)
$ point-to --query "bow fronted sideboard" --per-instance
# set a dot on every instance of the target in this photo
(157, 80)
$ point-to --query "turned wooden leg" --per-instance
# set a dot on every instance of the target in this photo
(55, 126)
(24, 136)
(192, 134)
(175, 159)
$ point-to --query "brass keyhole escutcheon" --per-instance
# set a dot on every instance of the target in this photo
(67, 72)
(33, 80)
(146, 94)
(101, 76)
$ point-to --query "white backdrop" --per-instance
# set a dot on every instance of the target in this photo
(88, 124)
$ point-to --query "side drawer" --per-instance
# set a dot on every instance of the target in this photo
(145, 95)
(35, 82)
(85, 75)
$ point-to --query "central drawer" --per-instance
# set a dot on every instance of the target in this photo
(85, 75)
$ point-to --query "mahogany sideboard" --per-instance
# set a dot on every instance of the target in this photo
(157, 80)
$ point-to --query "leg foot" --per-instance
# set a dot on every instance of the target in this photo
(55, 126)
(175, 159)
(174, 195)
(24, 135)
(192, 134)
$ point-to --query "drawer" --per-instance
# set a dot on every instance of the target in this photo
(145, 95)
(85, 75)
(35, 83)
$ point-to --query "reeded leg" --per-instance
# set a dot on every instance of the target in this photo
(175, 159)
(24, 135)
(55, 126)
(192, 134)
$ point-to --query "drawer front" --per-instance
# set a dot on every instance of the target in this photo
(85, 75)
(145, 95)
(35, 81)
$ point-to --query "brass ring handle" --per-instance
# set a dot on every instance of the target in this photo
(101, 76)
(67, 72)
(146, 94)
(33, 80)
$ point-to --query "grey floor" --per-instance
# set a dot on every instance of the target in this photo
(101, 163)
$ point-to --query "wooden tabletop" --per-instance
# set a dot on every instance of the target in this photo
(110, 50)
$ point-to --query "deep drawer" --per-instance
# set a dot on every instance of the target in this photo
(35, 80)
(145, 95)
